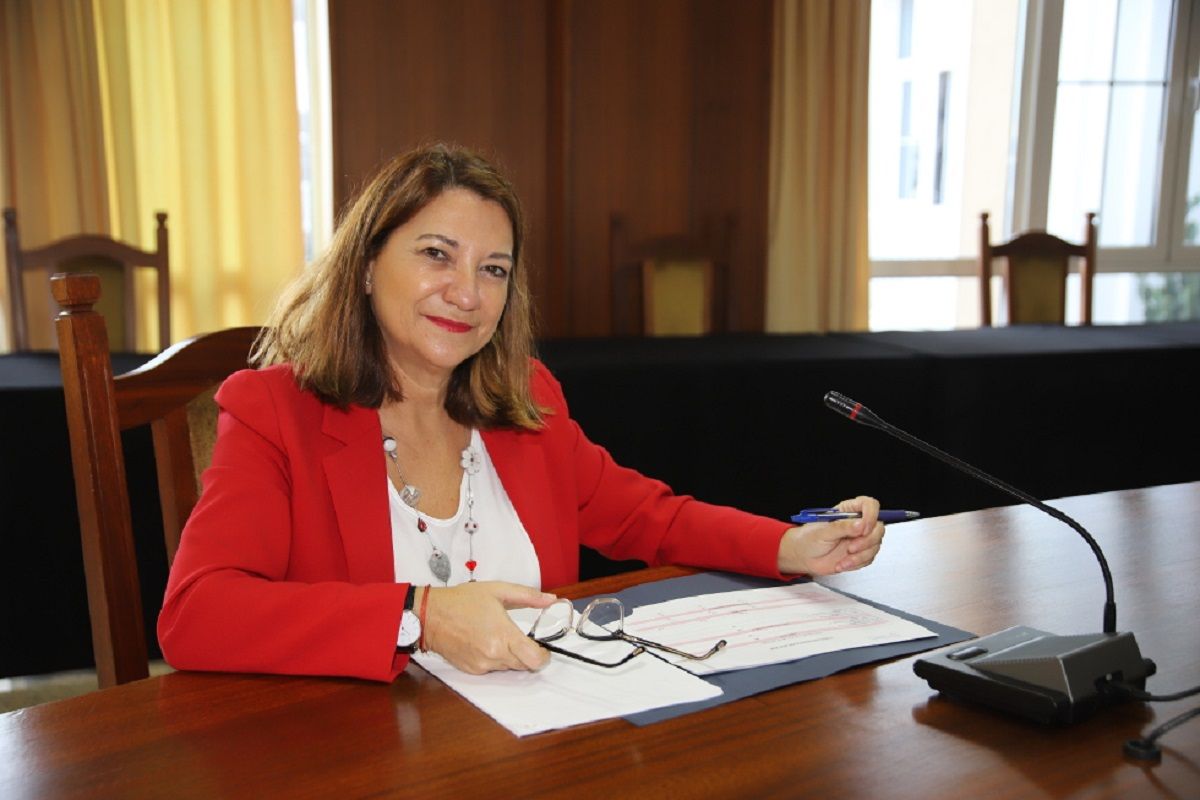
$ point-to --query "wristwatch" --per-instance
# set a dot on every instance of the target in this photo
(410, 625)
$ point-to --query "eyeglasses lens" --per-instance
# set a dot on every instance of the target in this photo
(553, 622)
(604, 618)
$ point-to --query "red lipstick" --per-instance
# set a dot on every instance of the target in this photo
(449, 324)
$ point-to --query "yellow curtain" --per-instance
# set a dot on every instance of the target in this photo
(202, 100)
(116, 109)
(817, 262)
(53, 140)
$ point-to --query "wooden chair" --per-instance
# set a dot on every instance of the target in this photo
(89, 253)
(1035, 279)
(668, 285)
(173, 395)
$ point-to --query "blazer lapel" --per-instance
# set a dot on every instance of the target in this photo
(357, 478)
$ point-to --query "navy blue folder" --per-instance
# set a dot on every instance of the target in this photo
(746, 682)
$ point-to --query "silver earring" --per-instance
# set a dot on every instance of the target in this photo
(367, 283)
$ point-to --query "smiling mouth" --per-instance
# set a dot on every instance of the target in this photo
(450, 325)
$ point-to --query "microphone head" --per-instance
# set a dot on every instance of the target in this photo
(852, 410)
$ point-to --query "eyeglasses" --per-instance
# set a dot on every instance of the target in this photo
(603, 620)
(556, 621)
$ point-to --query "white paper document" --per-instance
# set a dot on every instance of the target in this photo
(760, 626)
(569, 692)
(767, 626)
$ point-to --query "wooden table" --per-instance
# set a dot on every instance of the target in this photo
(872, 732)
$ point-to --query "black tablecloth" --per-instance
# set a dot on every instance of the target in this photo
(43, 599)
(735, 419)
(741, 420)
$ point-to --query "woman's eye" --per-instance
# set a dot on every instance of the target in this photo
(435, 253)
(496, 270)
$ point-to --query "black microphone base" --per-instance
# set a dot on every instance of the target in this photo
(1054, 680)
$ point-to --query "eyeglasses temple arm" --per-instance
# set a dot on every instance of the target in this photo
(716, 648)
(637, 651)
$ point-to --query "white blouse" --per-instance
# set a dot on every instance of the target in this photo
(502, 549)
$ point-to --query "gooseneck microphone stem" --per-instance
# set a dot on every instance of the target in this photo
(859, 413)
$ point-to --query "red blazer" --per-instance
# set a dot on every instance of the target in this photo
(285, 566)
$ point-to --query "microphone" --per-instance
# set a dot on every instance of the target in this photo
(1024, 671)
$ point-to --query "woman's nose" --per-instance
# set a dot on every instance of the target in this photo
(462, 290)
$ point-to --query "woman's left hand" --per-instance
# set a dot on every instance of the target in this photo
(826, 548)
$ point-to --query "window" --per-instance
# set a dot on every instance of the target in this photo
(310, 26)
(908, 145)
(1110, 102)
(1036, 111)
(916, 166)
(906, 12)
(939, 155)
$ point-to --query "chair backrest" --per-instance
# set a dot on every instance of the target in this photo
(1035, 278)
(88, 252)
(172, 394)
(677, 297)
(669, 285)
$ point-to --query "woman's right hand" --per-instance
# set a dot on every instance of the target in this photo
(468, 625)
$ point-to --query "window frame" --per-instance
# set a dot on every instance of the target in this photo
(1040, 29)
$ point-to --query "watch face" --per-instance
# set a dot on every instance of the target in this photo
(410, 629)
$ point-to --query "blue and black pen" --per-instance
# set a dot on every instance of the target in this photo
(831, 514)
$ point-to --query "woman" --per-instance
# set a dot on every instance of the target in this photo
(399, 471)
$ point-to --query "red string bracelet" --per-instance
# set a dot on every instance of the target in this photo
(421, 617)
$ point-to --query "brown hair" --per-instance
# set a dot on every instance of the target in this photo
(324, 326)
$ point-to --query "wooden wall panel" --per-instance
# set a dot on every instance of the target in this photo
(731, 121)
(670, 108)
(657, 111)
(630, 139)
(405, 72)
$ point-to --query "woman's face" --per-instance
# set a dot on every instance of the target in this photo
(439, 285)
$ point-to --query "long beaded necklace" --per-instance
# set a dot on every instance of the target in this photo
(439, 562)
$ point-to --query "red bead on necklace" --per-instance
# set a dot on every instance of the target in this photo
(471, 463)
